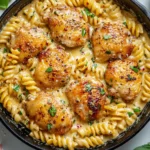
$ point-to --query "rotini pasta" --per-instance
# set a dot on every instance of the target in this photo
(90, 141)
(11, 27)
(97, 129)
(29, 83)
(56, 140)
(145, 97)
(51, 77)
(133, 25)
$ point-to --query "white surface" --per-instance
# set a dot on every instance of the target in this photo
(10, 142)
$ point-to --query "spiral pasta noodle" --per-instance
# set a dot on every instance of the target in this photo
(111, 10)
(94, 20)
(89, 67)
(90, 141)
(147, 53)
(133, 25)
(9, 103)
(32, 63)
(29, 83)
(10, 28)
(56, 140)
(97, 129)
(145, 96)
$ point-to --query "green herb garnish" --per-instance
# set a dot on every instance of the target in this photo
(108, 52)
(20, 113)
(107, 37)
(88, 13)
(135, 69)
(49, 126)
(111, 98)
(88, 87)
(130, 78)
(102, 91)
(83, 32)
(5, 50)
(52, 111)
(125, 23)
(16, 88)
(49, 70)
(137, 110)
(130, 114)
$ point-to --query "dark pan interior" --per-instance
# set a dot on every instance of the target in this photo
(23, 134)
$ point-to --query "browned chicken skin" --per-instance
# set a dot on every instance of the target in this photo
(111, 41)
(67, 26)
(87, 98)
(52, 70)
(123, 78)
(50, 113)
(30, 41)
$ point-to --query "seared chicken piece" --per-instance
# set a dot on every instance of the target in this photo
(123, 79)
(50, 113)
(111, 41)
(87, 98)
(29, 41)
(52, 70)
(67, 26)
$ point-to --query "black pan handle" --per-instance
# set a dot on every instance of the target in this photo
(142, 7)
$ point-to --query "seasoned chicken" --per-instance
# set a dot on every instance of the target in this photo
(87, 98)
(67, 26)
(123, 79)
(53, 71)
(29, 41)
(111, 41)
(50, 113)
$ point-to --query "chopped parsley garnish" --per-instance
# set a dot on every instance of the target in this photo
(111, 98)
(16, 88)
(63, 102)
(5, 50)
(95, 65)
(49, 70)
(102, 91)
(26, 92)
(108, 52)
(130, 114)
(88, 13)
(74, 121)
(135, 69)
(89, 45)
(49, 126)
(83, 32)
(93, 59)
(20, 113)
(91, 122)
(81, 50)
(125, 23)
(107, 37)
(88, 87)
(137, 110)
(130, 78)
(52, 111)
(19, 49)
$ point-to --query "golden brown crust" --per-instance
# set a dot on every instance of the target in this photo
(66, 26)
(111, 41)
(29, 41)
(123, 80)
(87, 98)
(50, 113)
(52, 70)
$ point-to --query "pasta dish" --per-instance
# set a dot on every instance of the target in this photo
(74, 72)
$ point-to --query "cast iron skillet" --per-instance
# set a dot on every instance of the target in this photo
(23, 134)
